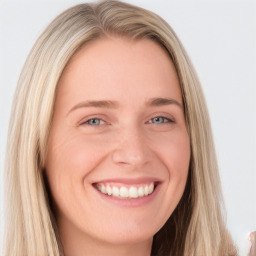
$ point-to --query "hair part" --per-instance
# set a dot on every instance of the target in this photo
(196, 227)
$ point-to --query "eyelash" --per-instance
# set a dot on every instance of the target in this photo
(93, 119)
(164, 119)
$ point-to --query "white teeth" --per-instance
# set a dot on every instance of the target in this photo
(151, 188)
(109, 190)
(124, 192)
(133, 192)
(115, 191)
(103, 189)
(141, 191)
(146, 190)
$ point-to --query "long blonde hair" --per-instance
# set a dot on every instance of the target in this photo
(196, 227)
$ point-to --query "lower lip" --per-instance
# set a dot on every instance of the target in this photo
(130, 202)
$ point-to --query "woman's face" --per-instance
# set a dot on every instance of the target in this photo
(118, 152)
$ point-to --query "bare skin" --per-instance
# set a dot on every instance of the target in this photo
(253, 244)
(118, 125)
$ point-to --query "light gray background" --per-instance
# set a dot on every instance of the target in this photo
(220, 37)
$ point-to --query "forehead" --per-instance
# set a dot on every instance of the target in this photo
(118, 67)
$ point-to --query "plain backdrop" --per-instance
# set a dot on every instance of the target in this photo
(220, 38)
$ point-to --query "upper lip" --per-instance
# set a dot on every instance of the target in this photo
(130, 181)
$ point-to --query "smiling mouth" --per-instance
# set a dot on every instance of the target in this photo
(126, 191)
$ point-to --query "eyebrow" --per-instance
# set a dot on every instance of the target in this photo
(154, 102)
(162, 102)
(96, 104)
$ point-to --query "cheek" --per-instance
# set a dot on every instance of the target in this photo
(73, 155)
(174, 151)
(175, 155)
(178, 161)
(180, 157)
(69, 159)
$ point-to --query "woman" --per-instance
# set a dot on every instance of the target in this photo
(110, 149)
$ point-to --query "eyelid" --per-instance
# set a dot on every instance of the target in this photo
(169, 120)
(85, 121)
(164, 115)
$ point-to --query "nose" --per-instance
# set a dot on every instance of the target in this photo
(132, 149)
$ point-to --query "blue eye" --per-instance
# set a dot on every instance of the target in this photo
(160, 120)
(94, 121)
